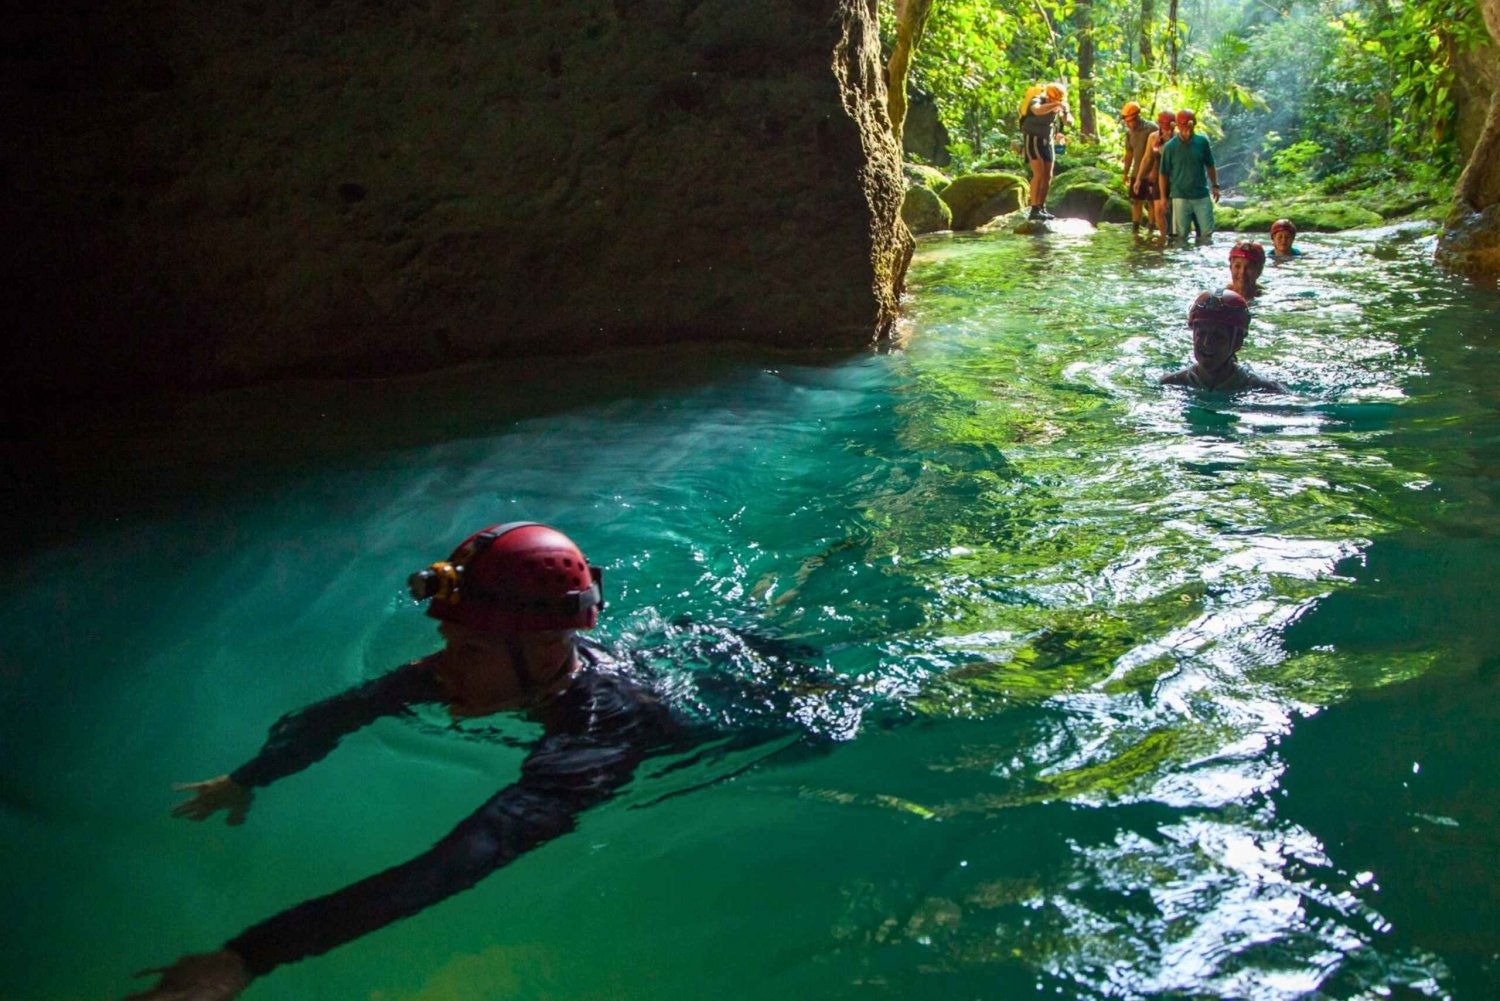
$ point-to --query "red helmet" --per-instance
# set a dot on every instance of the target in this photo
(1225, 306)
(517, 577)
(1283, 224)
(1250, 250)
(1184, 116)
(1165, 119)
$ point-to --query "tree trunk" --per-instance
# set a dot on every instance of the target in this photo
(1148, 14)
(911, 21)
(1084, 19)
(1172, 40)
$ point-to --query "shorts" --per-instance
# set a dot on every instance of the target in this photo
(1038, 148)
(1147, 192)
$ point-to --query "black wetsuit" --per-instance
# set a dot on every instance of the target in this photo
(596, 732)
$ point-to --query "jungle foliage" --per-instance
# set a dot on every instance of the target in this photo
(1297, 95)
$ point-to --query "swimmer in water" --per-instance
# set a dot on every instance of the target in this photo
(1219, 321)
(1246, 262)
(510, 601)
(1283, 232)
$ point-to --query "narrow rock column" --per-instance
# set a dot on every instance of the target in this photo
(1471, 238)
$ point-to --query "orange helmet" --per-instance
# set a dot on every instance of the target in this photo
(1055, 91)
(1130, 110)
(517, 577)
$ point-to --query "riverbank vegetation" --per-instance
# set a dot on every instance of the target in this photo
(1306, 101)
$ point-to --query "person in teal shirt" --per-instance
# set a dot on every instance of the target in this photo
(1189, 179)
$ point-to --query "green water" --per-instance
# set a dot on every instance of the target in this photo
(1173, 695)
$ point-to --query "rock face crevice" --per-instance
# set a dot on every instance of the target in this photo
(1471, 238)
(230, 190)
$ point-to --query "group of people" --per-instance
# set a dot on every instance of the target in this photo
(1169, 168)
(1173, 182)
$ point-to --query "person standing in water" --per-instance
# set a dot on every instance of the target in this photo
(1190, 180)
(1139, 136)
(1166, 125)
(1044, 108)
(1247, 260)
(510, 601)
(1219, 321)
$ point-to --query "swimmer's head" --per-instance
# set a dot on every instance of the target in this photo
(1283, 232)
(1250, 250)
(1224, 307)
(516, 577)
(1055, 91)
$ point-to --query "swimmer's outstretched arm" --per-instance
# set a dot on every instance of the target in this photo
(566, 775)
(306, 736)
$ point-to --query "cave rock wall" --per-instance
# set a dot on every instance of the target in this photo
(221, 191)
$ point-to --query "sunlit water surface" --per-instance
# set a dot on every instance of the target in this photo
(1165, 695)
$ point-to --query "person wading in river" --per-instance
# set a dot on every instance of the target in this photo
(1189, 180)
(1139, 136)
(1219, 321)
(509, 600)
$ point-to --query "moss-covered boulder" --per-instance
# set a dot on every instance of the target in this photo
(1065, 180)
(924, 212)
(1328, 217)
(1226, 217)
(1471, 241)
(928, 177)
(975, 199)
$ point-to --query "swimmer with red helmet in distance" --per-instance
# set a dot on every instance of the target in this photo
(1219, 321)
(1247, 259)
(510, 601)
(1283, 232)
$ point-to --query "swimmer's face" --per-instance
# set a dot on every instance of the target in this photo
(1215, 344)
(1282, 241)
(544, 650)
(1241, 271)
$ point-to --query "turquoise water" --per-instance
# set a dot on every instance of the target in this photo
(1171, 695)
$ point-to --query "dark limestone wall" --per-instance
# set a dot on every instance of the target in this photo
(200, 193)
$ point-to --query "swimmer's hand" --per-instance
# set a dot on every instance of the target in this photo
(207, 976)
(211, 796)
